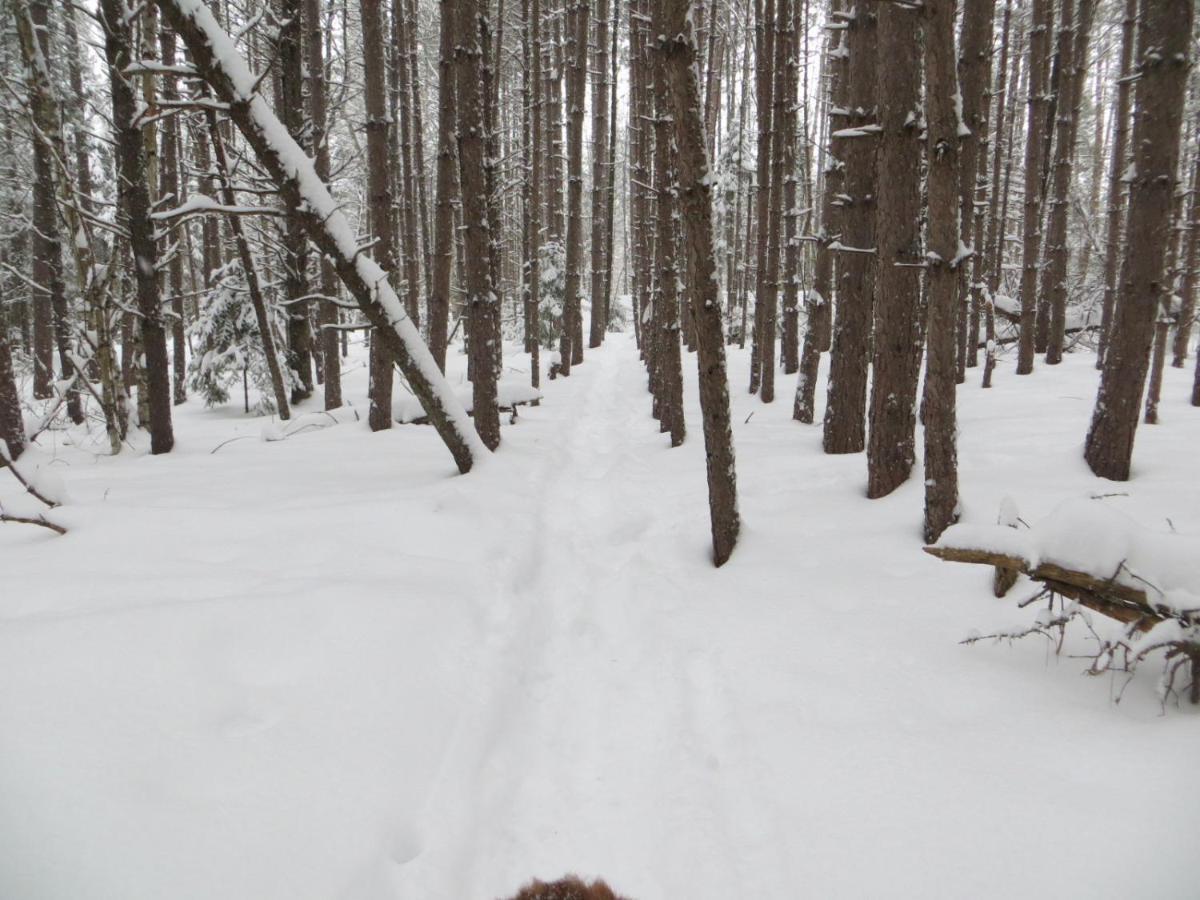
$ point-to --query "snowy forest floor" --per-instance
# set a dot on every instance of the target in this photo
(328, 667)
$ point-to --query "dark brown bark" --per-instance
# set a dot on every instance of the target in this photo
(942, 140)
(379, 200)
(764, 65)
(295, 273)
(1190, 275)
(600, 164)
(569, 349)
(767, 303)
(482, 302)
(12, 425)
(1053, 291)
(896, 361)
(974, 79)
(409, 176)
(327, 317)
(135, 207)
(790, 332)
(47, 248)
(845, 410)
(818, 302)
(1162, 77)
(695, 201)
(666, 360)
(533, 212)
(444, 193)
(1031, 228)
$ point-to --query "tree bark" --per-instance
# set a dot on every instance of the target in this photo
(1039, 40)
(845, 411)
(896, 361)
(482, 302)
(764, 66)
(576, 85)
(600, 152)
(171, 196)
(942, 139)
(135, 205)
(1162, 77)
(695, 199)
(1191, 273)
(444, 191)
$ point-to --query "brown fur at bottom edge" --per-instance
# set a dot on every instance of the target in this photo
(569, 888)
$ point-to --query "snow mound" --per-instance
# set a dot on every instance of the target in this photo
(510, 392)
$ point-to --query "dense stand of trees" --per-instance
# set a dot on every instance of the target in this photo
(897, 185)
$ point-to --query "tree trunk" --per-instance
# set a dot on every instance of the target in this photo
(845, 410)
(295, 275)
(135, 204)
(12, 424)
(974, 77)
(444, 191)
(1055, 268)
(327, 317)
(533, 212)
(666, 359)
(1162, 78)
(764, 66)
(896, 362)
(599, 322)
(942, 139)
(576, 85)
(695, 199)
(1039, 39)
(172, 197)
(1190, 274)
(482, 302)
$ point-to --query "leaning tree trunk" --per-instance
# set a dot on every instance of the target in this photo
(481, 296)
(1162, 80)
(845, 411)
(897, 347)
(1039, 38)
(135, 205)
(695, 201)
(218, 62)
(941, 136)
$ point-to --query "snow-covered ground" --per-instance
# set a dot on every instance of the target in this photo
(328, 667)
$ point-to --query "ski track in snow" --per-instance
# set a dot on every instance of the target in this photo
(454, 684)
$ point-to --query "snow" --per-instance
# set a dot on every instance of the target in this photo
(1088, 535)
(328, 667)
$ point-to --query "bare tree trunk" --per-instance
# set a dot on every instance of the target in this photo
(12, 425)
(135, 204)
(1162, 78)
(896, 362)
(666, 359)
(411, 256)
(295, 276)
(576, 84)
(845, 410)
(790, 343)
(974, 75)
(250, 273)
(941, 130)
(764, 63)
(379, 199)
(695, 199)
(818, 302)
(482, 302)
(533, 212)
(600, 152)
(172, 196)
(1039, 38)
(443, 226)
(1190, 274)
(1074, 56)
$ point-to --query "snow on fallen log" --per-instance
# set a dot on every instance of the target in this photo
(1091, 552)
(510, 393)
(218, 61)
